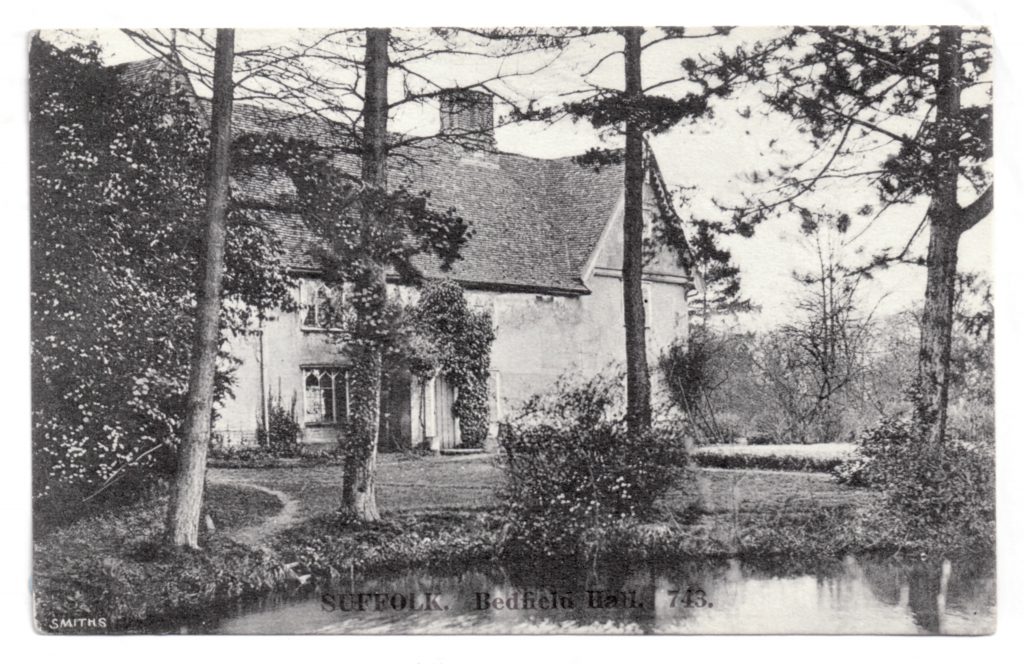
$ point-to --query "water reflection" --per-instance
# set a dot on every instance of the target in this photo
(849, 596)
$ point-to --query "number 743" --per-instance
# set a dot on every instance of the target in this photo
(691, 598)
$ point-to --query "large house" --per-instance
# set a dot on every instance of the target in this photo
(545, 259)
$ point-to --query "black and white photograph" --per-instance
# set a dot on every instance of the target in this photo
(617, 330)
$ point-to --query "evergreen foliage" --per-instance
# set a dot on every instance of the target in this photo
(117, 197)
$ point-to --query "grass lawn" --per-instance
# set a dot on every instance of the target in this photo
(767, 490)
(421, 484)
(237, 507)
(404, 483)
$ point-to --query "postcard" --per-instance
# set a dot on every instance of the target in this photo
(517, 330)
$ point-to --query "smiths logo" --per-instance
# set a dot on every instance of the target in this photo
(76, 624)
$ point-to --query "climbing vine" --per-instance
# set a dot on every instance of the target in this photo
(455, 341)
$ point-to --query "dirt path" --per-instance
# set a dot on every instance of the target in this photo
(256, 535)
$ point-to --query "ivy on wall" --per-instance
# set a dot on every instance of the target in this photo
(451, 338)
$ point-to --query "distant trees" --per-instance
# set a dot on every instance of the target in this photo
(813, 360)
(906, 110)
(808, 368)
(708, 376)
(972, 360)
(829, 376)
(117, 177)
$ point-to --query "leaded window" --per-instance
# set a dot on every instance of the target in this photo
(326, 395)
(323, 307)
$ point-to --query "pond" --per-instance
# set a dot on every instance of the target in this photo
(855, 595)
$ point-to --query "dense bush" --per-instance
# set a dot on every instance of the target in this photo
(117, 186)
(240, 455)
(763, 439)
(261, 456)
(877, 452)
(572, 470)
(705, 375)
(945, 499)
(935, 497)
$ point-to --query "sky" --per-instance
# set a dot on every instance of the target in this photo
(711, 159)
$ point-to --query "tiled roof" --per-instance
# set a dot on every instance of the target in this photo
(535, 222)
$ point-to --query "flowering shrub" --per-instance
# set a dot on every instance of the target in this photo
(117, 198)
(573, 471)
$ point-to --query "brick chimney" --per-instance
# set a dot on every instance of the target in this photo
(468, 117)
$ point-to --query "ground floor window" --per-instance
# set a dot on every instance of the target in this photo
(326, 395)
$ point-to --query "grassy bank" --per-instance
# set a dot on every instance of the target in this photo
(113, 566)
(330, 547)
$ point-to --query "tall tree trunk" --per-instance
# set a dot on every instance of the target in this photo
(359, 496)
(945, 230)
(187, 494)
(638, 382)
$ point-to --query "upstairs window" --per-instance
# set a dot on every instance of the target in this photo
(323, 307)
(326, 395)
